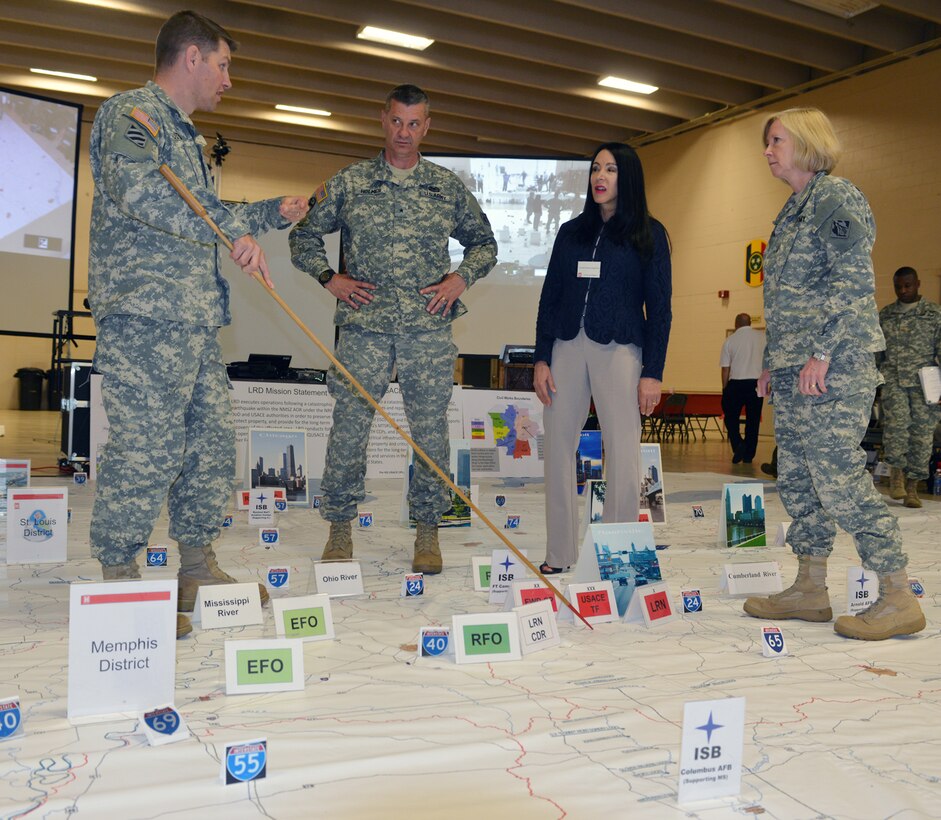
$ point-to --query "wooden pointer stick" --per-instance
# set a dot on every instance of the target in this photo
(200, 211)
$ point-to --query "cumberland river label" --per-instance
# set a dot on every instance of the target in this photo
(122, 647)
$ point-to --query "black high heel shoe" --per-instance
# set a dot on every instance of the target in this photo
(545, 569)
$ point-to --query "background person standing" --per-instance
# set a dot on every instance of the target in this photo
(741, 359)
(912, 329)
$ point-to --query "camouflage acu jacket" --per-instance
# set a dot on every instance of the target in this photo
(912, 341)
(819, 281)
(150, 255)
(395, 236)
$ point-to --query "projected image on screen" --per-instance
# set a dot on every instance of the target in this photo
(38, 149)
(526, 200)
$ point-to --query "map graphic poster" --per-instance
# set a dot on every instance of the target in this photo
(505, 431)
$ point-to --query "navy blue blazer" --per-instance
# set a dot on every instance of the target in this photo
(629, 304)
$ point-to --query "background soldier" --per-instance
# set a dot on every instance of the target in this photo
(396, 301)
(158, 298)
(912, 328)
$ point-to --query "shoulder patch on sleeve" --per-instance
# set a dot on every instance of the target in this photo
(145, 119)
(136, 134)
(840, 228)
(320, 194)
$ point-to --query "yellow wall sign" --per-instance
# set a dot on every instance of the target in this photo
(755, 263)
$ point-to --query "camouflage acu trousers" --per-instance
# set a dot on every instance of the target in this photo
(908, 424)
(822, 474)
(425, 366)
(171, 436)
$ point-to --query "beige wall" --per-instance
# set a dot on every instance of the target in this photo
(712, 190)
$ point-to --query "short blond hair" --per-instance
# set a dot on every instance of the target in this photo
(816, 145)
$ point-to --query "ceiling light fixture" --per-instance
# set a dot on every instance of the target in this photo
(66, 74)
(297, 109)
(627, 85)
(393, 38)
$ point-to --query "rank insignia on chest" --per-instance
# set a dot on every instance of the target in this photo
(840, 228)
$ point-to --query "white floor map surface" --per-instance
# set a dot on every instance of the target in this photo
(837, 728)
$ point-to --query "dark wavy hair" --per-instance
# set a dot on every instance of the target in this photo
(631, 223)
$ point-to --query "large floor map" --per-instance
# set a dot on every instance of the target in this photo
(592, 728)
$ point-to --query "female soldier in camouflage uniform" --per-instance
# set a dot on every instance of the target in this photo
(823, 329)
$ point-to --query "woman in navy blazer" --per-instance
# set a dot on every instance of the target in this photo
(601, 332)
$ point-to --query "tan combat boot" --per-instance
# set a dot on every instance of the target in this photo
(198, 568)
(339, 546)
(427, 553)
(911, 494)
(896, 612)
(805, 600)
(131, 572)
(896, 483)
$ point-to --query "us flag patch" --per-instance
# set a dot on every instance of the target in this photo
(321, 193)
(144, 119)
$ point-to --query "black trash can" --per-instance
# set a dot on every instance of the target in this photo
(30, 387)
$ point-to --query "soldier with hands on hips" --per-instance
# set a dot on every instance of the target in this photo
(396, 301)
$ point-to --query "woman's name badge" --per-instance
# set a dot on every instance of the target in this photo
(589, 270)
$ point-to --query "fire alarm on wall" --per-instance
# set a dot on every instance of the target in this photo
(723, 294)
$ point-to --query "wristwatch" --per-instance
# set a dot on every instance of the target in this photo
(821, 357)
(326, 276)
